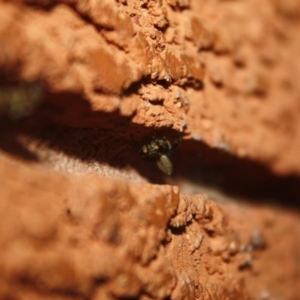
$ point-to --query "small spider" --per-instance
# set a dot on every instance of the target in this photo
(160, 150)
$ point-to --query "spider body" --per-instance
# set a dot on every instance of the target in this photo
(159, 149)
(164, 164)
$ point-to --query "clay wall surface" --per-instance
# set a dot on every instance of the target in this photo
(149, 149)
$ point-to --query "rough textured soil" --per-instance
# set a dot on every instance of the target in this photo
(85, 84)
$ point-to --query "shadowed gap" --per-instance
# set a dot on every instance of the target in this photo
(116, 141)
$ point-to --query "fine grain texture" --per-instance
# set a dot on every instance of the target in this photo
(209, 67)
(149, 149)
(105, 239)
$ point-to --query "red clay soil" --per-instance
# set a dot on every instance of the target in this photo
(87, 86)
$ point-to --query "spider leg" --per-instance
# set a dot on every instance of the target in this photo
(176, 143)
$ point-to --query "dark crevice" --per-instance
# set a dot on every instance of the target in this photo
(178, 230)
(164, 83)
(240, 178)
(194, 83)
(116, 142)
(133, 88)
(46, 5)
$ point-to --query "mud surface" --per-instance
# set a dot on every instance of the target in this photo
(86, 85)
